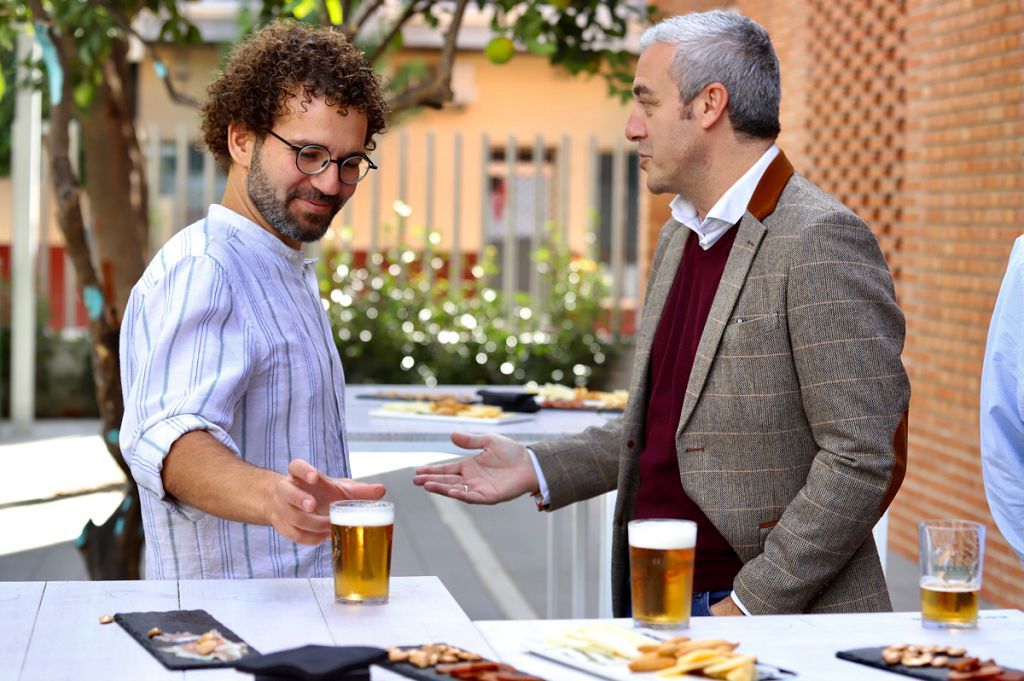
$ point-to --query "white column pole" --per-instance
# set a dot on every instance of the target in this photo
(25, 174)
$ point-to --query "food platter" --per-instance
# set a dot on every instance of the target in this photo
(617, 653)
(448, 411)
(618, 670)
(407, 396)
(557, 396)
(495, 421)
(577, 405)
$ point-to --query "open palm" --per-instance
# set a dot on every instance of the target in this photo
(501, 471)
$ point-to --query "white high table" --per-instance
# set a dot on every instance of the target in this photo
(385, 433)
(805, 644)
(368, 433)
(50, 631)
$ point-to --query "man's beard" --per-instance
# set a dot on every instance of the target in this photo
(276, 213)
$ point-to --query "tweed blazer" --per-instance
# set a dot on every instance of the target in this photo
(796, 397)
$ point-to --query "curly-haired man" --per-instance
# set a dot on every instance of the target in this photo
(234, 422)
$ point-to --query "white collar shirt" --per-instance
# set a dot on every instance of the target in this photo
(728, 210)
(225, 332)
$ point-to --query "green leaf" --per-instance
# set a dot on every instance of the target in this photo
(540, 49)
(334, 12)
(3, 85)
(304, 8)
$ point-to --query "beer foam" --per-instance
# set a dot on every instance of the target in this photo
(662, 535)
(372, 516)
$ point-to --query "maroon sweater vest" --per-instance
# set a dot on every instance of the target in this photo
(661, 494)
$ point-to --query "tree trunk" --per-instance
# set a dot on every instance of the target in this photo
(112, 550)
(119, 240)
(114, 172)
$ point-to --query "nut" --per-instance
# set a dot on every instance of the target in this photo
(920, 659)
(419, 658)
(205, 646)
(397, 655)
(106, 619)
(892, 655)
(155, 631)
(940, 661)
(956, 651)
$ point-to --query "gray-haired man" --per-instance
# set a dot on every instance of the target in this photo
(768, 396)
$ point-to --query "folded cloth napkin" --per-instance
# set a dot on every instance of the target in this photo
(314, 663)
(509, 401)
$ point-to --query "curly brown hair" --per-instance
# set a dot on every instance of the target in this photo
(263, 72)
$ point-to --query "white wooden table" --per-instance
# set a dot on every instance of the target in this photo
(50, 631)
(368, 433)
(805, 644)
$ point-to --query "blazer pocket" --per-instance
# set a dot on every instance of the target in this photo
(763, 530)
(744, 326)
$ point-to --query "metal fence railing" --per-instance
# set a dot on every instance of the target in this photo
(515, 194)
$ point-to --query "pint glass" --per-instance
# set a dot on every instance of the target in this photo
(661, 556)
(361, 550)
(951, 553)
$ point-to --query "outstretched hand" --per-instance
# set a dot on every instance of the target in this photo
(500, 472)
(301, 501)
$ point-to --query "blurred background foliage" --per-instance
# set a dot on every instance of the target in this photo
(396, 320)
(65, 387)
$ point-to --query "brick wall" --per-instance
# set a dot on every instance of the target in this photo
(963, 206)
(912, 113)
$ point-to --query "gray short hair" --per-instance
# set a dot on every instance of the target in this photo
(728, 48)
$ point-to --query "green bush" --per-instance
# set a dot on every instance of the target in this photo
(64, 382)
(393, 323)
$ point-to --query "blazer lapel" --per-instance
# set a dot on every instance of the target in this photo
(748, 240)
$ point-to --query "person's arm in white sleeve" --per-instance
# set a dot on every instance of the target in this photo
(189, 356)
(1002, 406)
(184, 352)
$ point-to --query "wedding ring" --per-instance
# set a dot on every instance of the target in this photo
(465, 487)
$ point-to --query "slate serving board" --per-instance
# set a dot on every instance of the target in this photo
(418, 674)
(872, 657)
(137, 624)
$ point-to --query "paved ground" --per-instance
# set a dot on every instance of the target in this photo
(492, 559)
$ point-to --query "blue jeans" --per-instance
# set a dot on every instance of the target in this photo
(703, 600)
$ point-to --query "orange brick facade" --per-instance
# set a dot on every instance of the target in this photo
(912, 113)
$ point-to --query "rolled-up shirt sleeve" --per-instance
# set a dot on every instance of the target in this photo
(185, 362)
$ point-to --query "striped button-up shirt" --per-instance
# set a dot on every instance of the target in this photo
(225, 332)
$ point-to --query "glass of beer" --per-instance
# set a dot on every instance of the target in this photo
(361, 550)
(951, 554)
(661, 555)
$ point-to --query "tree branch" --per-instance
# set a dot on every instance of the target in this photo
(438, 92)
(162, 72)
(451, 38)
(410, 10)
(346, 20)
(370, 9)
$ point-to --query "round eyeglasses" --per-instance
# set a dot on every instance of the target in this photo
(313, 159)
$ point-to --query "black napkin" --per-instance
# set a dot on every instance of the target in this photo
(314, 663)
(510, 401)
(198, 622)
